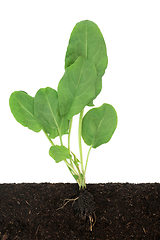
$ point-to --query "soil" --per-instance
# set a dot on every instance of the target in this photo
(31, 211)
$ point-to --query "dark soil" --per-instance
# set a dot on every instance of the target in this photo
(105, 211)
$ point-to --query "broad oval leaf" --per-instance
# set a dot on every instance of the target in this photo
(22, 108)
(47, 113)
(59, 153)
(87, 40)
(98, 125)
(77, 87)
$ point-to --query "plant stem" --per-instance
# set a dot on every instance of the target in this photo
(80, 146)
(77, 180)
(69, 165)
(87, 159)
(76, 165)
(48, 138)
(61, 140)
(79, 139)
(69, 134)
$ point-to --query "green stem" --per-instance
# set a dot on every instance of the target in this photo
(48, 138)
(79, 140)
(69, 165)
(77, 180)
(87, 159)
(82, 175)
(61, 140)
(75, 163)
(69, 134)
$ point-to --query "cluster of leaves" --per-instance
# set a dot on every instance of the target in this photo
(52, 111)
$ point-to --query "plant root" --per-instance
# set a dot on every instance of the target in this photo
(68, 200)
(84, 207)
(92, 221)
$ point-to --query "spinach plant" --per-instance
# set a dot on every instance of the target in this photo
(52, 111)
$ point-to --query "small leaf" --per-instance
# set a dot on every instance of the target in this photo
(98, 125)
(47, 112)
(76, 163)
(77, 87)
(87, 40)
(22, 108)
(59, 153)
(75, 177)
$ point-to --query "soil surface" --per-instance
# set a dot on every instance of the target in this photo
(31, 211)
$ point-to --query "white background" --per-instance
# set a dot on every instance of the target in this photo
(33, 41)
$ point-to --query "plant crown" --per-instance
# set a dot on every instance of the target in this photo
(53, 111)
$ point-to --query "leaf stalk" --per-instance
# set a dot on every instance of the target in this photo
(80, 147)
(48, 138)
(87, 159)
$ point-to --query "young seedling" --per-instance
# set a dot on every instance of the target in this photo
(52, 111)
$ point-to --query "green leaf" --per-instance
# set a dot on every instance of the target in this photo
(87, 40)
(59, 153)
(77, 87)
(98, 88)
(22, 108)
(98, 125)
(76, 177)
(47, 112)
